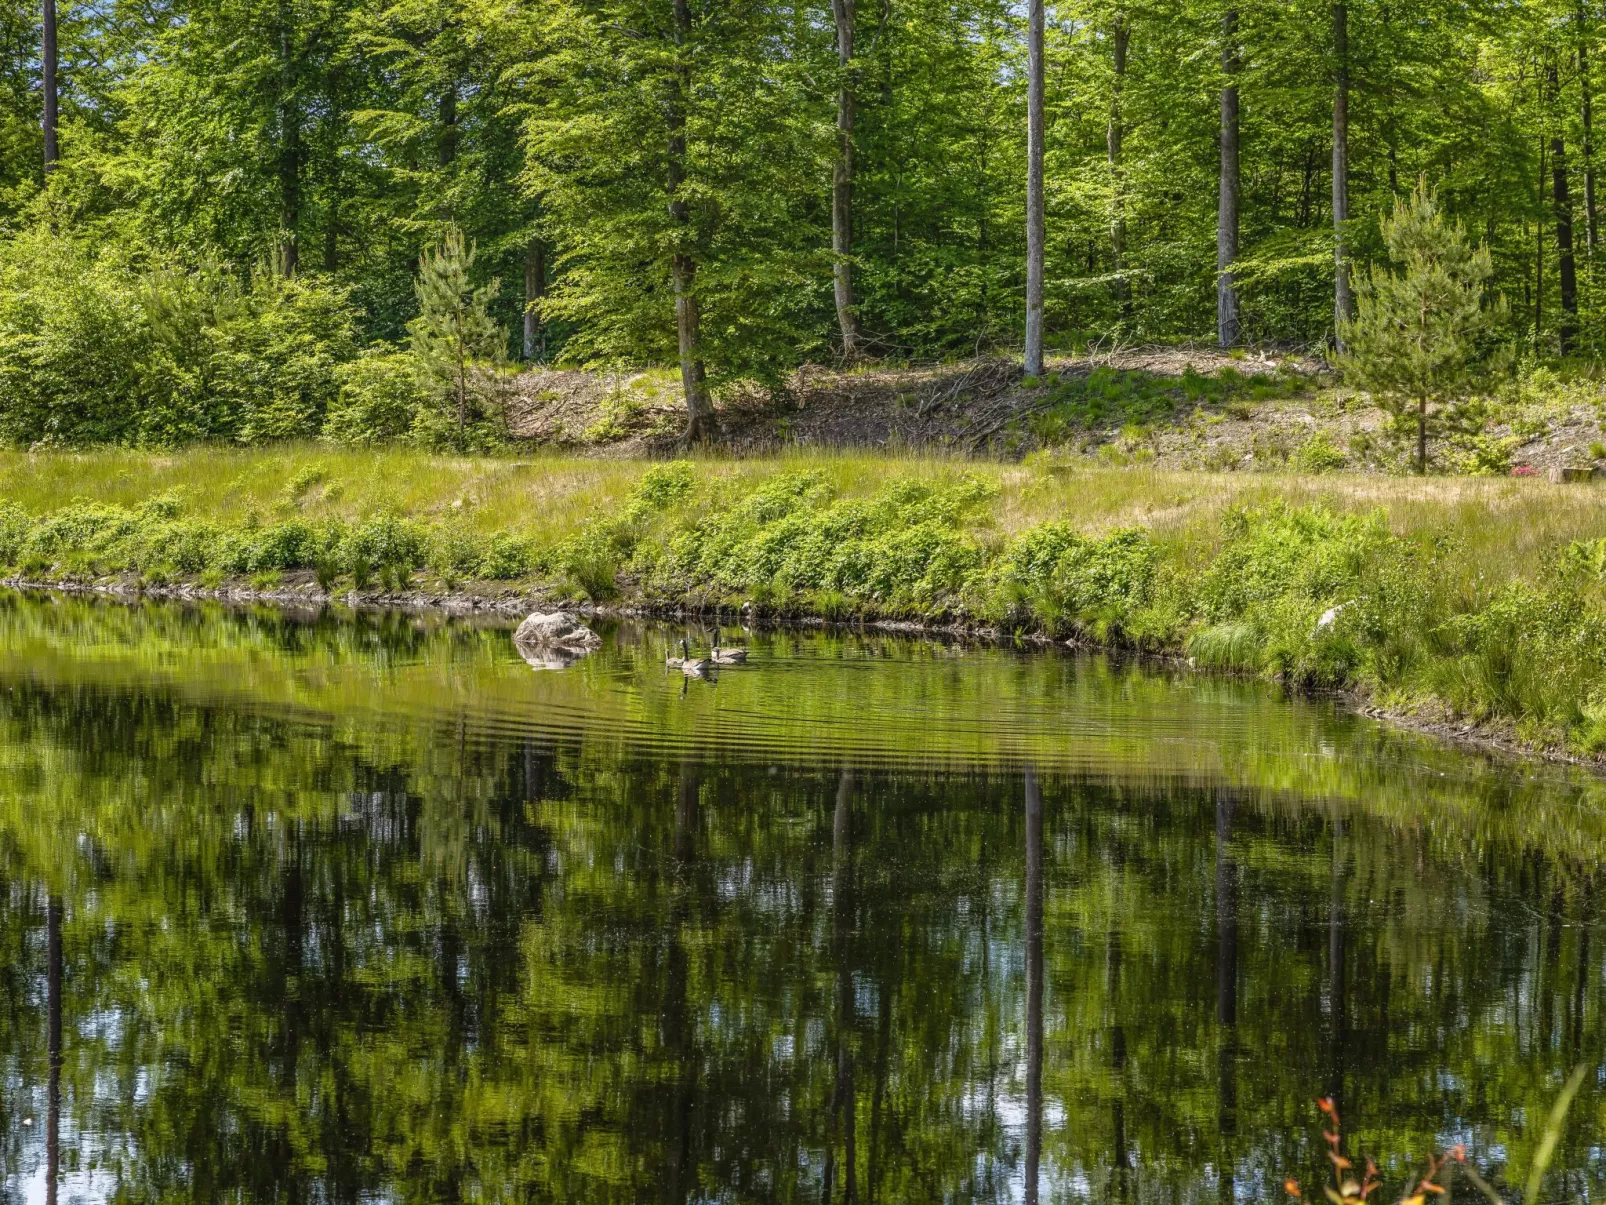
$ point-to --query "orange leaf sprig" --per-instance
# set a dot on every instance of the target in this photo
(1345, 1189)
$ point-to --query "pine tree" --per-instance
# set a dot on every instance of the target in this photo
(454, 334)
(1414, 338)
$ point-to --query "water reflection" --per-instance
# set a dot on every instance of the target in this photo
(273, 928)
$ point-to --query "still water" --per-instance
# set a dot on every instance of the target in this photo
(340, 907)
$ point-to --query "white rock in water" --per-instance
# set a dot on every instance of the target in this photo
(554, 629)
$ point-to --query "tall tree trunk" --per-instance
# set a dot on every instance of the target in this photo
(49, 65)
(1034, 188)
(842, 181)
(1590, 228)
(700, 420)
(53, 977)
(289, 144)
(1341, 287)
(1228, 325)
(1562, 203)
(1539, 251)
(1034, 984)
(534, 291)
(1120, 35)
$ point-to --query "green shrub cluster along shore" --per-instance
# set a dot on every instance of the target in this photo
(1476, 600)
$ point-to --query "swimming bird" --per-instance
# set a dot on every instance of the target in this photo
(694, 668)
(727, 656)
(677, 662)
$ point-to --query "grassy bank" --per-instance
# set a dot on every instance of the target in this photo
(1476, 599)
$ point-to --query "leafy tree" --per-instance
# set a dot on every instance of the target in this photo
(678, 161)
(454, 337)
(1415, 334)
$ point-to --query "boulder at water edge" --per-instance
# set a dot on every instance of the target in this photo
(556, 629)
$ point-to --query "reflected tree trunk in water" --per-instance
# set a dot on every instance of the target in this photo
(1226, 991)
(1586, 921)
(1034, 984)
(1337, 997)
(1112, 969)
(53, 1045)
(843, 1120)
(680, 1183)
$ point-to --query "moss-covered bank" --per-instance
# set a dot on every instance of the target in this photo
(1476, 600)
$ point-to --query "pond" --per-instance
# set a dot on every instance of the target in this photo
(324, 907)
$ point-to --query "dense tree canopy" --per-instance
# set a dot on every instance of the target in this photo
(655, 180)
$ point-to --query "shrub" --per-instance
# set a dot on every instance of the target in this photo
(123, 347)
(379, 400)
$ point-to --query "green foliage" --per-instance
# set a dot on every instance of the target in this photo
(903, 550)
(106, 349)
(380, 401)
(1319, 454)
(1415, 335)
(459, 349)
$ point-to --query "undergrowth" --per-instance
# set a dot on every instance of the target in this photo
(1302, 592)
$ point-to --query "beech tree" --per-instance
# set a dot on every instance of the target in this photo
(669, 155)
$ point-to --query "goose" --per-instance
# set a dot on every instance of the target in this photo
(727, 656)
(677, 662)
(689, 665)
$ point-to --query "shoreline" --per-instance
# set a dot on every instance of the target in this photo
(511, 604)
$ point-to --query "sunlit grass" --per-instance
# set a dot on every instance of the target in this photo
(1501, 526)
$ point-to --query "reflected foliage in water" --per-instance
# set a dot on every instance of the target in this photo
(312, 907)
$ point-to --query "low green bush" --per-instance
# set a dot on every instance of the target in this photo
(122, 346)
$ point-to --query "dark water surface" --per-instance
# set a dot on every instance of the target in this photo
(321, 909)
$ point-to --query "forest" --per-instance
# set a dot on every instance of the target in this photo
(213, 212)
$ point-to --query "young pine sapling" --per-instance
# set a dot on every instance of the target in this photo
(454, 333)
(1415, 338)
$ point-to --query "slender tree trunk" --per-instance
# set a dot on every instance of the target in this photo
(53, 977)
(1034, 985)
(1034, 188)
(49, 66)
(1539, 251)
(462, 388)
(289, 143)
(1590, 228)
(1342, 307)
(1421, 436)
(1228, 325)
(1561, 202)
(534, 291)
(700, 420)
(1120, 35)
(842, 182)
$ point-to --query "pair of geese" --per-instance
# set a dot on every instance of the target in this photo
(688, 664)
